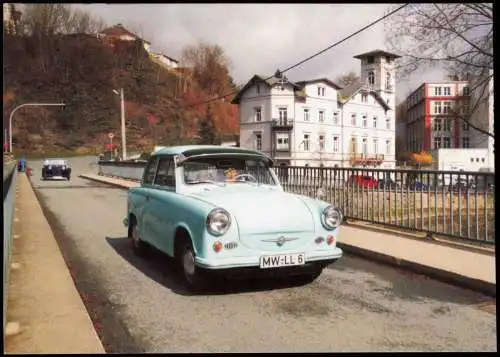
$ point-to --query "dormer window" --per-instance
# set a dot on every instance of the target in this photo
(321, 91)
(258, 88)
(364, 97)
(388, 59)
(370, 59)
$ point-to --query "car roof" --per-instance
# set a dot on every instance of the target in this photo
(189, 150)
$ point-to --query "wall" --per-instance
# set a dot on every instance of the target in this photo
(329, 105)
(465, 159)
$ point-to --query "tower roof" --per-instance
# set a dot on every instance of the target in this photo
(377, 53)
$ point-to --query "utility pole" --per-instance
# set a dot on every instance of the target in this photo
(122, 107)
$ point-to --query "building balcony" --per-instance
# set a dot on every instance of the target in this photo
(282, 124)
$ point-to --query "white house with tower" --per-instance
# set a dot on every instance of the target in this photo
(320, 124)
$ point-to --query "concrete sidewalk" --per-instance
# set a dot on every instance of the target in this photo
(45, 312)
(470, 268)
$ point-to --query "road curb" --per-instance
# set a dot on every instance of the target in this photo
(483, 287)
(116, 184)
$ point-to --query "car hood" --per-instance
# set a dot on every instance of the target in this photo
(261, 210)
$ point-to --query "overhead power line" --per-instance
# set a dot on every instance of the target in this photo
(310, 57)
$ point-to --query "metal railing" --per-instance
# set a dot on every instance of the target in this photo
(9, 184)
(449, 203)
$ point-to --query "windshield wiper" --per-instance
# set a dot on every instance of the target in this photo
(195, 182)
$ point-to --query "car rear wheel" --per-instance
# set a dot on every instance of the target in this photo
(139, 247)
(195, 278)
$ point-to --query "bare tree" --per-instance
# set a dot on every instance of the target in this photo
(347, 78)
(210, 67)
(52, 19)
(457, 37)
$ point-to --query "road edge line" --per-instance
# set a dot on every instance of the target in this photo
(444, 276)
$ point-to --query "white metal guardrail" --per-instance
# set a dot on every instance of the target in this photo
(9, 184)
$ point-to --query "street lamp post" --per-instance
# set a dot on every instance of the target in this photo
(27, 105)
(124, 139)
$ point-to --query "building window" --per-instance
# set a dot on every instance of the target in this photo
(306, 114)
(283, 115)
(335, 117)
(354, 146)
(465, 143)
(387, 123)
(371, 78)
(336, 144)
(370, 59)
(306, 142)
(282, 141)
(447, 142)
(388, 59)
(258, 88)
(364, 146)
(365, 121)
(447, 91)
(482, 159)
(446, 107)
(388, 147)
(353, 119)
(437, 90)
(258, 142)
(437, 142)
(321, 91)
(321, 142)
(466, 90)
(375, 146)
(471, 159)
(258, 114)
(375, 122)
(321, 116)
(447, 124)
(437, 107)
(465, 126)
(388, 80)
(437, 124)
(364, 97)
(477, 159)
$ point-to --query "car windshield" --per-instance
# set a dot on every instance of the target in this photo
(224, 170)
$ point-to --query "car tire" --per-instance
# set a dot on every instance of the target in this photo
(139, 247)
(195, 278)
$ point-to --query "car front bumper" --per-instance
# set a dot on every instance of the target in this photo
(319, 256)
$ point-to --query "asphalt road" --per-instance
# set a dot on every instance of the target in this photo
(139, 305)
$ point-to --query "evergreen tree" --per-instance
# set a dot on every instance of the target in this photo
(206, 129)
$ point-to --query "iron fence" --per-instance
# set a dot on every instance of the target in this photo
(450, 203)
(9, 184)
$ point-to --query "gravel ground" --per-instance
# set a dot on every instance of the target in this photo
(139, 305)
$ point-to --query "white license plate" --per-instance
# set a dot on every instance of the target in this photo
(285, 260)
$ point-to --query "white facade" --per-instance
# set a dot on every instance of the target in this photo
(317, 123)
(165, 60)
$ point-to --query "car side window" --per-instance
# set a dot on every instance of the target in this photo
(150, 171)
(166, 172)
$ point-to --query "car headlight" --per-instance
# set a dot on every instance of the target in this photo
(218, 222)
(331, 217)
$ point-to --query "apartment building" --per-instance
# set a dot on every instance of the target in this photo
(318, 123)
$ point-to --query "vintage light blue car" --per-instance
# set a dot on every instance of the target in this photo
(222, 209)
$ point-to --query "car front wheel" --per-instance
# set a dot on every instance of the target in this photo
(195, 277)
(139, 247)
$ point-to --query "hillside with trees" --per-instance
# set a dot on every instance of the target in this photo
(55, 56)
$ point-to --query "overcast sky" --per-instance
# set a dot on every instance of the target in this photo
(260, 38)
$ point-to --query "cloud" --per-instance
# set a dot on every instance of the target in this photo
(260, 38)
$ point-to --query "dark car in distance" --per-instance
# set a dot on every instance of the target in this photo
(56, 169)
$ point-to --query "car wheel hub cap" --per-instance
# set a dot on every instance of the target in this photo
(189, 263)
